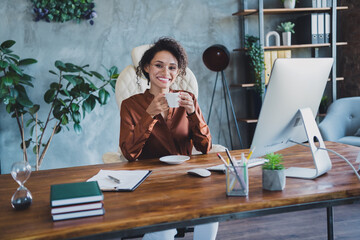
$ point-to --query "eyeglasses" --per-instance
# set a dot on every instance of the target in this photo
(159, 66)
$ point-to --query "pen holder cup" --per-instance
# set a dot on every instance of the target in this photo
(237, 181)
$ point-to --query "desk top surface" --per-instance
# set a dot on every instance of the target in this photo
(170, 195)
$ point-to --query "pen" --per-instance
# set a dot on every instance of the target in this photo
(251, 152)
(114, 179)
(229, 156)
(226, 164)
(222, 159)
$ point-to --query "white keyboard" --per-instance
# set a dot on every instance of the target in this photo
(253, 162)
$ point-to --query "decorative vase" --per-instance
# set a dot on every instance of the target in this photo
(289, 4)
(273, 180)
(286, 36)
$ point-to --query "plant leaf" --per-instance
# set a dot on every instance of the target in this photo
(72, 68)
(8, 44)
(77, 128)
(104, 96)
(89, 104)
(34, 109)
(51, 71)
(60, 65)
(76, 116)
(71, 79)
(28, 122)
(64, 119)
(23, 98)
(7, 81)
(3, 64)
(98, 75)
(55, 85)
(49, 95)
(74, 107)
(16, 69)
(112, 71)
(27, 61)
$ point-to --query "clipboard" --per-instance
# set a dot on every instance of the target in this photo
(129, 179)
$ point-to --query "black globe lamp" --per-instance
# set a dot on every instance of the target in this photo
(217, 58)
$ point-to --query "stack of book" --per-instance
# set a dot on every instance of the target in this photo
(76, 200)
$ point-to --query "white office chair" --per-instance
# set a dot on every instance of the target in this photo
(128, 85)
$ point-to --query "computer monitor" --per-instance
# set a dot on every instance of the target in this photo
(286, 118)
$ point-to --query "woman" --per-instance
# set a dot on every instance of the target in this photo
(150, 129)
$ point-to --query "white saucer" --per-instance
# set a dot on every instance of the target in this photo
(174, 159)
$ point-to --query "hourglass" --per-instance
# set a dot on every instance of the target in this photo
(22, 198)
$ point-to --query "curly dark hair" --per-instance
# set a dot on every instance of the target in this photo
(163, 44)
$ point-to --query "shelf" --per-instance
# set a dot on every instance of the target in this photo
(247, 120)
(249, 85)
(297, 46)
(247, 12)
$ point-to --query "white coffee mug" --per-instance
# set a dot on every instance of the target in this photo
(172, 99)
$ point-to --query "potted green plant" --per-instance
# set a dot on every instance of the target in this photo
(70, 98)
(256, 60)
(289, 3)
(62, 11)
(286, 28)
(273, 173)
(255, 55)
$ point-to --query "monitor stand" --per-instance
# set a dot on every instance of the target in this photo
(321, 158)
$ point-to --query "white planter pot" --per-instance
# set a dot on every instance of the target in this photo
(289, 3)
(286, 37)
(273, 180)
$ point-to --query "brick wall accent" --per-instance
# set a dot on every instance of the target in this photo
(349, 56)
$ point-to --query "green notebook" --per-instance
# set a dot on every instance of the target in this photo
(75, 193)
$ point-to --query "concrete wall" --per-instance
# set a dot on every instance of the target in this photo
(121, 25)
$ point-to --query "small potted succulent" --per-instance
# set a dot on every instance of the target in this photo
(286, 28)
(273, 173)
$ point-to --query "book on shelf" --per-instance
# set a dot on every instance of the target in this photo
(306, 29)
(77, 207)
(269, 59)
(327, 28)
(125, 180)
(75, 193)
(268, 65)
(321, 27)
(79, 214)
(326, 3)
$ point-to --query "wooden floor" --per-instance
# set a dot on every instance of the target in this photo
(304, 225)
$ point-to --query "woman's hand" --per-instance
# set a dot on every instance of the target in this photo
(158, 105)
(187, 102)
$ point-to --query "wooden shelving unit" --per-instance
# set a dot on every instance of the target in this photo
(261, 11)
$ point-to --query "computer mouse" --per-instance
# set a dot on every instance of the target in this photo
(200, 172)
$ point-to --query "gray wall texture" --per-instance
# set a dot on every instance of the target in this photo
(120, 26)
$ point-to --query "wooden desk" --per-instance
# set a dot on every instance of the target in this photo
(171, 198)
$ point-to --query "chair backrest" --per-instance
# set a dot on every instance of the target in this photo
(342, 119)
(127, 83)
